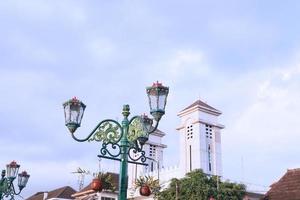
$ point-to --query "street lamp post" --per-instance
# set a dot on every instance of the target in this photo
(123, 142)
(7, 188)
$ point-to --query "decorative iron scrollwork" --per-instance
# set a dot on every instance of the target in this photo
(136, 129)
(109, 131)
(111, 149)
(136, 154)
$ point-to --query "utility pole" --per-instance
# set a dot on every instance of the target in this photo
(177, 190)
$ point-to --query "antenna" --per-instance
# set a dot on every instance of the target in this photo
(81, 175)
(242, 169)
(99, 165)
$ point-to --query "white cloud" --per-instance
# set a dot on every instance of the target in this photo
(289, 72)
(28, 49)
(264, 129)
(101, 48)
(242, 29)
(179, 65)
(34, 10)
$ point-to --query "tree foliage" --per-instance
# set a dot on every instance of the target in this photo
(198, 186)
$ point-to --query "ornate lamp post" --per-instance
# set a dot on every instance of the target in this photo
(123, 142)
(7, 188)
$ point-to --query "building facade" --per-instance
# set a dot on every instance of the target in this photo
(200, 139)
(200, 147)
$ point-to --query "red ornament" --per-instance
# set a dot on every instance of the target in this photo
(96, 185)
(145, 190)
(157, 84)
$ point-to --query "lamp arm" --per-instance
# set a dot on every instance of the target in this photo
(14, 191)
(133, 118)
(95, 130)
(154, 127)
(148, 131)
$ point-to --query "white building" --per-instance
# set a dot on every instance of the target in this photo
(200, 147)
(154, 152)
(200, 139)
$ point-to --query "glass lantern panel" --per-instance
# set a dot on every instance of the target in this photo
(12, 171)
(80, 114)
(149, 124)
(74, 113)
(67, 113)
(22, 181)
(162, 102)
(153, 102)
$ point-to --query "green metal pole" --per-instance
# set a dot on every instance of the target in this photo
(2, 184)
(124, 159)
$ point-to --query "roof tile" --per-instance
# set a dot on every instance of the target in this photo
(63, 192)
(288, 187)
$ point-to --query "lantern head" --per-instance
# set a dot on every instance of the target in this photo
(3, 172)
(23, 179)
(147, 124)
(12, 170)
(73, 110)
(142, 140)
(157, 95)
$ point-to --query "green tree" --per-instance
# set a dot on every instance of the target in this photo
(198, 186)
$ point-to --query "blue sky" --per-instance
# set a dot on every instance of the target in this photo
(241, 57)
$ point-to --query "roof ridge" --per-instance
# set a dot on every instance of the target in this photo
(202, 104)
(287, 184)
(59, 191)
(62, 190)
(293, 170)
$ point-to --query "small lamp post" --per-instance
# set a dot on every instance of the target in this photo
(7, 188)
(123, 142)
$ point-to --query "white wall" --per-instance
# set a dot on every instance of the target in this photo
(199, 144)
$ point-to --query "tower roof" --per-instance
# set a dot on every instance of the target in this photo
(203, 105)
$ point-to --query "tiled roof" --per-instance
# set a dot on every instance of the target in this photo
(63, 192)
(201, 104)
(288, 187)
(254, 195)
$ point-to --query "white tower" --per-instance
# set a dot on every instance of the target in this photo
(200, 139)
(154, 152)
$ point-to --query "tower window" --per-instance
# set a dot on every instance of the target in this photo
(208, 131)
(209, 157)
(152, 150)
(189, 130)
(190, 158)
